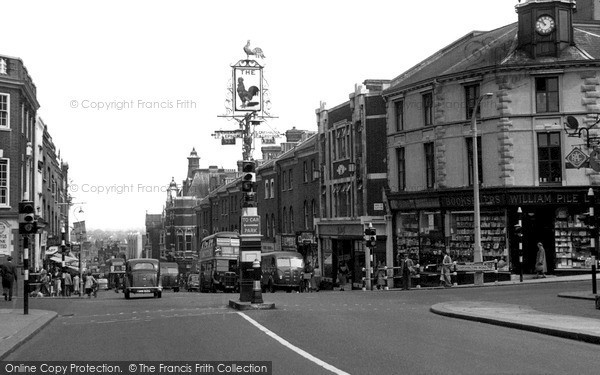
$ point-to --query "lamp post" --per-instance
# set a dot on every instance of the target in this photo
(477, 253)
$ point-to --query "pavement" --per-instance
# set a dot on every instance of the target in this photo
(16, 327)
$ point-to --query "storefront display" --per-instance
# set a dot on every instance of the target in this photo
(408, 235)
(432, 239)
(493, 236)
(572, 240)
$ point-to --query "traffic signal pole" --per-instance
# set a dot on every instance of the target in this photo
(594, 241)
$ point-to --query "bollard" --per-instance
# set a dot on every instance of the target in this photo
(256, 290)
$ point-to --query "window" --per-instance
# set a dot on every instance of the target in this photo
(283, 180)
(273, 224)
(313, 168)
(4, 188)
(4, 111)
(401, 169)
(399, 114)
(549, 157)
(188, 242)
(470, 160)
(305, 167)
(546, 94)
(306, 215)
(268, 227)
(3, 66)
(290, 179)
(471, 96)
(428, 108)
(291, 228)
(267, 189)
(272, 188)
(429, 165)
(284, 217)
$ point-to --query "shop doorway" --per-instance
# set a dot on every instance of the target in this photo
(538, 226)
(342, 252)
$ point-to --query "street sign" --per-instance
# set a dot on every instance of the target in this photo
(251, 225)
(576, 158)
(473, 267)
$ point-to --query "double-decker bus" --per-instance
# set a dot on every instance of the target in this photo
(218, 262)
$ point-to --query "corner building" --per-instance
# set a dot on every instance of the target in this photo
(543, 71)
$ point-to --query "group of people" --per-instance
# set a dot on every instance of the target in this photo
(51, 284)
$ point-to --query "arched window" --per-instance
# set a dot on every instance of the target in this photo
(272, 188)
(314, 213)
(267, 189)
(291, 220)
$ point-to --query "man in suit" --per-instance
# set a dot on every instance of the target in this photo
(9, 276)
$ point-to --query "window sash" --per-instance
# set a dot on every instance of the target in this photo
(429, 165)
(471, 96)
(4, 182)
(549, 157)
(546, 94)
(401, 169)
(428, 108)
(399, 114)
(470, 160)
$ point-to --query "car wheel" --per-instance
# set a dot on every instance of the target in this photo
(127, 294)
(159, 294)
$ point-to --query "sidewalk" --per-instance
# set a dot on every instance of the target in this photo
(523, 317)
(16, 328)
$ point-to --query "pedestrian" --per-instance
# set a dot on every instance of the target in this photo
(445, 279)
(408, 268)
(308, 276)
(89, 286)
(57, 283)
(343, 272)
(68, 284)
(9, 277)
(45, 283)
(76, 286)
(381, 276)
(540, 262)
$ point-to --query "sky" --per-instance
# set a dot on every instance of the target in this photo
(128, 88)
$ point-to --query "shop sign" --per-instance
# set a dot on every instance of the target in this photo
(575, 159)
(341, 169)
(288, 241)
(469, 200)
(473, 267)
(5, 238)
(547, 198)
(306, 238)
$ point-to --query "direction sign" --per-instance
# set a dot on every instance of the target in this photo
(251, 225)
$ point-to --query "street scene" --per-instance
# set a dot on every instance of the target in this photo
(429, 203)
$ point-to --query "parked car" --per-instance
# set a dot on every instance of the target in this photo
(169, 276)
(142, 275)
(282, 270)
(102, 284)
(193, 282)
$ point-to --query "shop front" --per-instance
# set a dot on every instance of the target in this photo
(425, 224)
(343, 241)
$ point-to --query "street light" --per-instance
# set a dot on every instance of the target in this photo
(477, 253)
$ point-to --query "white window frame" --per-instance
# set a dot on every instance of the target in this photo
(267, 190)
(272, 188)
(7, 126)
(7, 187)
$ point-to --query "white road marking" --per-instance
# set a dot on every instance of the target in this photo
(294, 348)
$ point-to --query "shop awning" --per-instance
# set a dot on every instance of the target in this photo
(68, 260)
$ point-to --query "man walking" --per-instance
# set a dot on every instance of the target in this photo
(9, 276)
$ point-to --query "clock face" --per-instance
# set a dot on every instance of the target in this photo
(544, 25)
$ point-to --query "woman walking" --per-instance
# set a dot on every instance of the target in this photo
(540, 262)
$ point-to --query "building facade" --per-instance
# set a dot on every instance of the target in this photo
(535, 163)
(18, 109)
(353, 177)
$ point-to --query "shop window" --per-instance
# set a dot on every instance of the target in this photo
(431, 235)
(572, 240)
(546, 94)
(493, 236)
(429, 165)
(549, 157)
(470, 160)
(407, 235)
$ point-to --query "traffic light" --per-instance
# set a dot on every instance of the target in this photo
(587, 219)
(518, 231)
(248, 176)
(370, 237)
(249, 199)
(27, 223)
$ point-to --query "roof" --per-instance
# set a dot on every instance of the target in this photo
(496, 49)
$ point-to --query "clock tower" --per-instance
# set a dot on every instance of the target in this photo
(545, 26)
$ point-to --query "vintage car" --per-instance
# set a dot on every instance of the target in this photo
(142, 275)
(193, 282)
(169, 276)
(282, 270)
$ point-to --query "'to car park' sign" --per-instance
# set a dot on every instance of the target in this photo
(250, 224)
